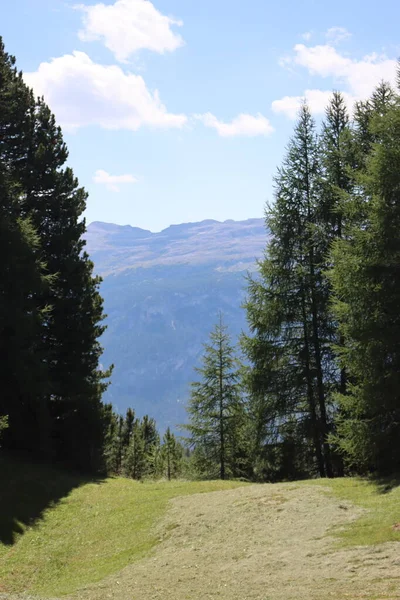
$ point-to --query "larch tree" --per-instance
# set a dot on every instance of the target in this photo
(289, 317)
(215, 408)
(339, 161)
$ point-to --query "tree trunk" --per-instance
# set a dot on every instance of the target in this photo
(169, 463)
(310, 393)
(320, 386)
(221, 414)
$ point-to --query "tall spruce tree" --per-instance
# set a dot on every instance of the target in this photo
(33, 151)
(56, 202)
(366, 282)
(21, 274)
(216, 410)
(22, 282)
(288, 313)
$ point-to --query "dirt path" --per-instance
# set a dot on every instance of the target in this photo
(266, 542)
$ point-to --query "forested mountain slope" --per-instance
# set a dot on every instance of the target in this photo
(162, 294)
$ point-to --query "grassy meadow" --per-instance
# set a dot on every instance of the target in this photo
(60, 533)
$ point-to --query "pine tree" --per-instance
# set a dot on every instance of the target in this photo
(17, 114)
(126, 435)
(215, 408)
(128, 427)
(22, 281)
(151, 440)
(34, 153)
(21, 275)
(111, 441)
(171, 455)
(288, 313)
(55, 203)
(150, 434)
(169, 451)
(135, 459)
(366, 282)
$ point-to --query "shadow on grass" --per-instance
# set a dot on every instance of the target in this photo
(386, 484)
(27, 489)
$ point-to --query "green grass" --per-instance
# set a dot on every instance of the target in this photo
(60, 531)
(93, 531)
(381, 501)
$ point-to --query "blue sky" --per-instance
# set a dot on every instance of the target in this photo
(180, 110)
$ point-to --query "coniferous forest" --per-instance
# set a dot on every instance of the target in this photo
(313, 388)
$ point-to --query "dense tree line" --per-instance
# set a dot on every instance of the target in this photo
(50, 309)
(321, 394)
(134, 448)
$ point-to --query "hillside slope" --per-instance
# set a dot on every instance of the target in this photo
(268, 542)
(60, 532)
(120, 539)
(162, 294)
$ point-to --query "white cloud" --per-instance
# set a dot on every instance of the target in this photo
(320, 60)
(307, 36)
(242, 125)
(358, 78)
(82, 93)
(128, 26)
(112, 182)
(361, 76)
(317, 101)
(335, 35)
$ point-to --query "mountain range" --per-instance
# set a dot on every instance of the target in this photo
(162, 295)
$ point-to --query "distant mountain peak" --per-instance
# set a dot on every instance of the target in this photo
(162, 294)
(220, 245)
(112, 227)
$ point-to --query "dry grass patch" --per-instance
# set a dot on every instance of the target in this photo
(267, 542)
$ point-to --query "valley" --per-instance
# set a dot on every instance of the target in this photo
(162, 294)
